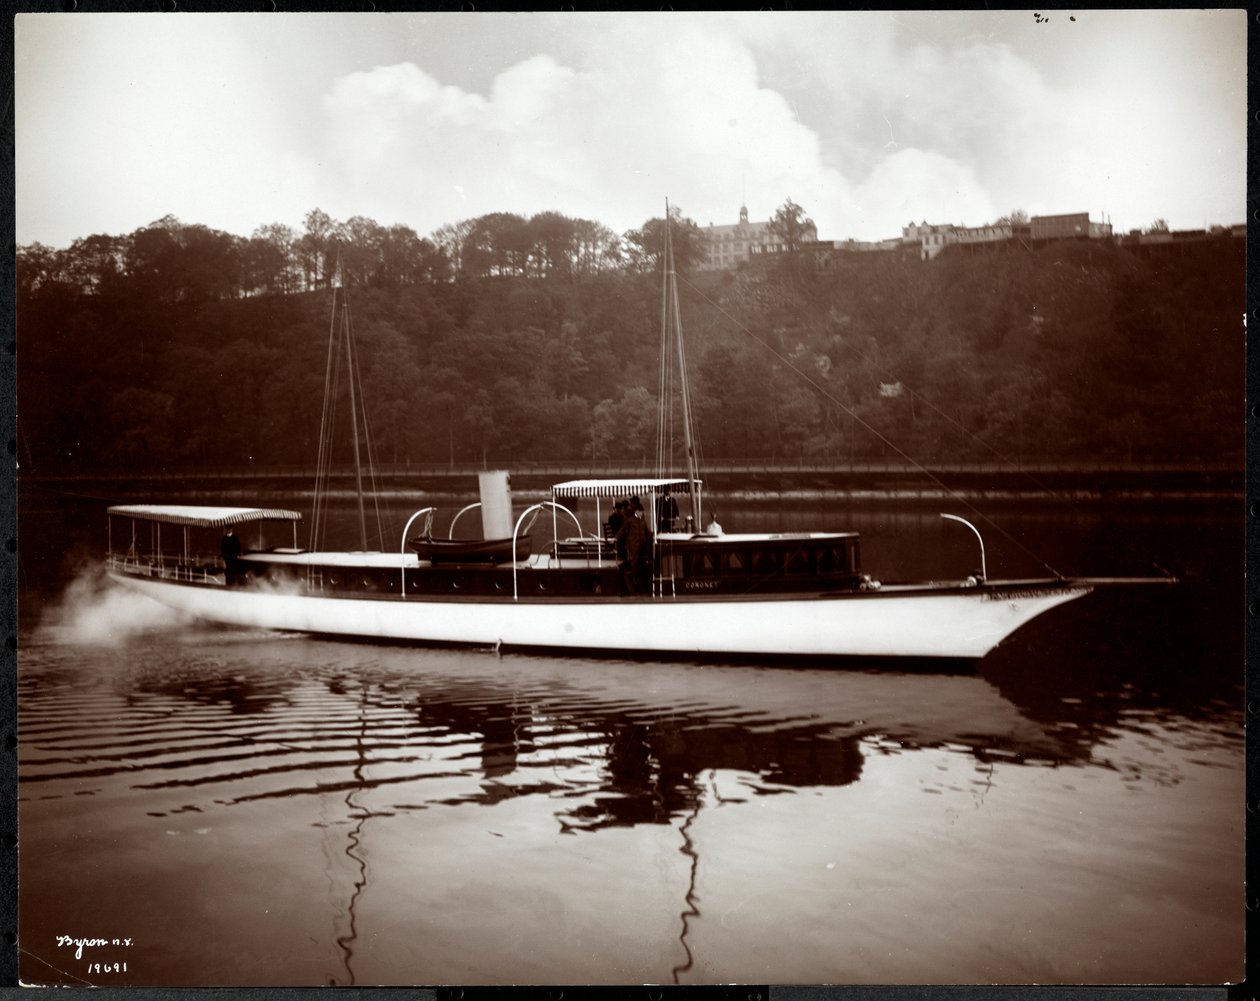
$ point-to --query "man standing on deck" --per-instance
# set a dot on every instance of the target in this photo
(230, 550)
(637, 537)
(666, 512)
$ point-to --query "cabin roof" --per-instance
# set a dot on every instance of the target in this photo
(620, 487)
(202, 516)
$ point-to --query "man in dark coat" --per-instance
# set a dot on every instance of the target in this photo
(615, 521)
(230, 550)
(637, 538)
(666, 512)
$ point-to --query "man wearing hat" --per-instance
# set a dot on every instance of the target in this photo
(637, 537)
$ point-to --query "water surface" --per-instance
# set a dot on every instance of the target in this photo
(239, 807)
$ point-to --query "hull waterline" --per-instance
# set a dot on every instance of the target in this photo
(914, 622)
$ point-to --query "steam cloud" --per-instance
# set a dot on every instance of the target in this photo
(95, 611)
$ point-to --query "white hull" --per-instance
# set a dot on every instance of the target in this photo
(927, 622)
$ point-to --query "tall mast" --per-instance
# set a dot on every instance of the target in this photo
(671, 286)
(354, 420)
(340, 329)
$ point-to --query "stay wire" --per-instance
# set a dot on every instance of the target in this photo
(356, 374)
(325, 429)
(825, 392)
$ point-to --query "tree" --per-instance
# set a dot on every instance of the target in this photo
(37, 267)
(552, 237)
(450, 240)
(1017, 218)
(151, 263)
(315, 249)
(95, 264)
(209, 265)
(270, 261)
(497, 244)
(596, 247)
(623, 430)
(406, 259)
(792, 227)
(359, 245)
(1160, 225)
(646, 245)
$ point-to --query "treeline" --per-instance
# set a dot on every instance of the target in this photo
(503, 339)
(172, 262)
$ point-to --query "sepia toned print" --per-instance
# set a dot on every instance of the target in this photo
(659, 499)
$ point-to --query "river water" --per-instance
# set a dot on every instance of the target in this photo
(203, 806)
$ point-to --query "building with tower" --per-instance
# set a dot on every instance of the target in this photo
(729, 246)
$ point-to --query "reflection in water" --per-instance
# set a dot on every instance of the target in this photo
(359, 816)
(692, 909)
(249, 725)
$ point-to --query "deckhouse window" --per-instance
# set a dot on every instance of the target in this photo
(765, 562)
(701, 565)
(833, 559)
(797, 561)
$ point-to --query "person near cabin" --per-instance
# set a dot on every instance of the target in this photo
(713, 528)
(637, 539)
(230, 549)
(616, 520)
(666, 512)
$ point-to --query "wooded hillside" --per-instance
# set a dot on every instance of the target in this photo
(506, 339)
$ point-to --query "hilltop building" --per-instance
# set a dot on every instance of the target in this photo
(932, 238)
(728, 246)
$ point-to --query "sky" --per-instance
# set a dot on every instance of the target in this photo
(867, 120)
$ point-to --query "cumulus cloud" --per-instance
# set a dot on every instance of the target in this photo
(865, 119)
(951, 135)
(917, 185)
(685, 118)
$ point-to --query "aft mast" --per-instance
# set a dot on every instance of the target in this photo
(671, 323)
(354, 421)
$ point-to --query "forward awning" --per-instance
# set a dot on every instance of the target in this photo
(201, 516)
(621, 487)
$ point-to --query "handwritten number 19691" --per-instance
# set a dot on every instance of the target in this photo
(107, 968)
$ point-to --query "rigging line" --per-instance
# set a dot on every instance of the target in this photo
(326, 439)
(322, 455)
(883, 438)
(357, 374)
(1036, 481)
(354, 424)
(937, 410)
(664, 364)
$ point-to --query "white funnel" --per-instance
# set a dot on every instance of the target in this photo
(496, 504)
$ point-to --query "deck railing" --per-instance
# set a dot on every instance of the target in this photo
(143, 566)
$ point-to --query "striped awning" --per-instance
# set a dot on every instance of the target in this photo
(621, 488)
(201, 516)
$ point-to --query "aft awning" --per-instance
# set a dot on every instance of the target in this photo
(202, 516)
(620, 488)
